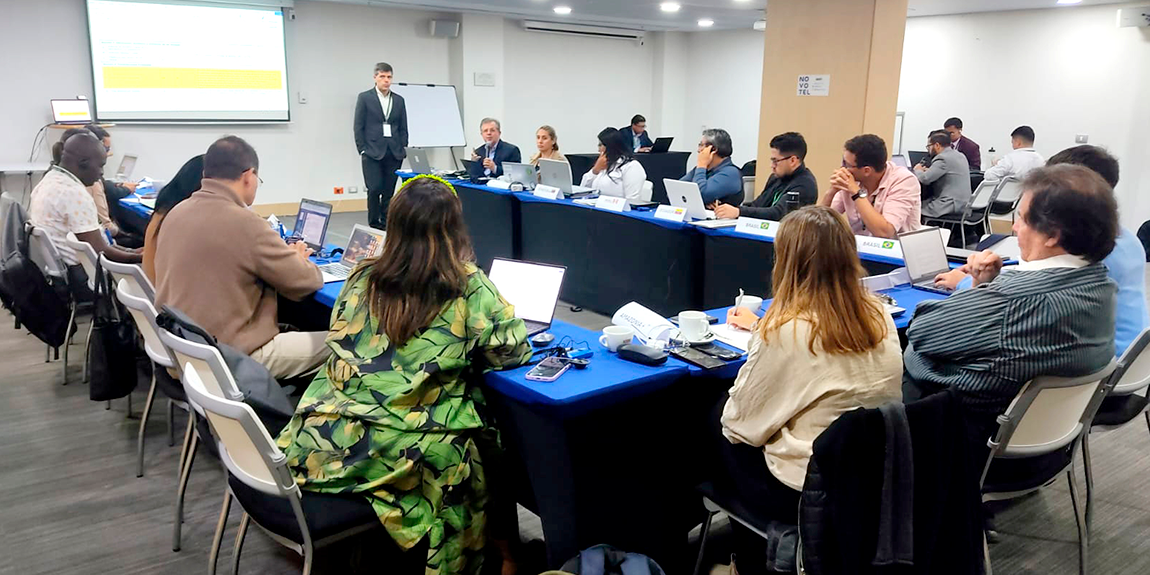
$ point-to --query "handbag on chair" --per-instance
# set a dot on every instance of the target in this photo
(112, 347)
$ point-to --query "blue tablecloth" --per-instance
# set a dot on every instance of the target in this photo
(132, 203)
(730, 232)
(641, 215)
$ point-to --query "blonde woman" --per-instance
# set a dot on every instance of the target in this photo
(548, 146)
(824, 347)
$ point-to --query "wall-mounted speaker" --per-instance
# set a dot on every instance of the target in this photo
(444, 29)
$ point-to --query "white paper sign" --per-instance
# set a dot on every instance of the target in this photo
(613, 203)
(814, 85)
(648, 325)
(879, 247)
(549, 192)
(671, 213)
(757, 227)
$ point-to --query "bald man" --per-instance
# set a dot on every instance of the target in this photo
(61, 204)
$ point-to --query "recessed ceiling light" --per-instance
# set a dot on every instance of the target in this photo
(669, 6)
(706, 22)
(564, 10)
(1066, 2)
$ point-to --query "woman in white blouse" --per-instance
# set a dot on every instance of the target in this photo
(823, 348)
(616, 172)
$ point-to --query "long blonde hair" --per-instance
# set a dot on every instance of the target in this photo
(550, 132)
(816, 278)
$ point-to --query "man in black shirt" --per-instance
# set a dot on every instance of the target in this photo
(789, 174)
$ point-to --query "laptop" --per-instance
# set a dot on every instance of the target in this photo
(311, 223)
(558, 175)
(917, 158)
(419, 162)
(661, 145)
(687, 195)
(525, 174)
(364, 243)
(75, 111)
(900, 160)
(468, 166)
(532, 288)
(127, 164)
(925, 257)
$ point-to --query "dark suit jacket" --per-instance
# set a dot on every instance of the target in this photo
(644, 140)
(368, 127)
(970, 150)
(504, 152)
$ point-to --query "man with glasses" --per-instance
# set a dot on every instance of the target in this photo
(790, 178)
(718, 179)
(948, 178)
(220, 263)
(879, 198)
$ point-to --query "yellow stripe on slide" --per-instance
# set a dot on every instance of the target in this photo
(143, 77)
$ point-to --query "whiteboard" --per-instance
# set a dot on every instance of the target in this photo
(433, 119)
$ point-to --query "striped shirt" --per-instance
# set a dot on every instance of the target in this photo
(987, 342)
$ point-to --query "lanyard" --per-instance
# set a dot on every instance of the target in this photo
(387, 111)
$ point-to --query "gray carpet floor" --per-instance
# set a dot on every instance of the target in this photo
(70, 501)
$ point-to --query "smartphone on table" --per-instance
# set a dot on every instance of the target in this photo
(548, 370)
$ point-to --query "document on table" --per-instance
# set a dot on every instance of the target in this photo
(732, 336)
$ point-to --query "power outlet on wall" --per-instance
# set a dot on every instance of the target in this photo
(1081, 138)
(353, 190)
(338, 190)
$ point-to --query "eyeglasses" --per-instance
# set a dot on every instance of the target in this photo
(256, 174)
(775, 161)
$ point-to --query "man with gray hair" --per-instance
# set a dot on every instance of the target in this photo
(718, 179)
(488, 159)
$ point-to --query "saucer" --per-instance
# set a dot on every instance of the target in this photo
(705, 339)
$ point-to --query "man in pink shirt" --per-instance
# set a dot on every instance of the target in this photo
(879, 198)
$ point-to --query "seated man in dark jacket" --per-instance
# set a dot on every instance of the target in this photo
(490, 156)
(788, 174)
(1052, 315)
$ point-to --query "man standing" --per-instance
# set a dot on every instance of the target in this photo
(964, 145)
(381, 138)
(219, 262)
(878, 197)
(637, 134)
(788, 175)
(948, 176)
(493, 152)
(1021, 160)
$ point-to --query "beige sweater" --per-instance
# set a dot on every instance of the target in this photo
(221, 264)
(784, 396)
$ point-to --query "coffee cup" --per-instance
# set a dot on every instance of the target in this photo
(751, 302)
(693, 326)
(615, 336)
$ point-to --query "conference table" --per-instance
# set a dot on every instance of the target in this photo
(611, 453)
(672, 165)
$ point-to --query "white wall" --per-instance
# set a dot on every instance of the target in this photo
(1063, 72)
(723, 80)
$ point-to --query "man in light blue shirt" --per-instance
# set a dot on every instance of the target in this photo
(1126, 264)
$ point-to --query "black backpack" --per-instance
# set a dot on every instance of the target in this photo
(39, 304)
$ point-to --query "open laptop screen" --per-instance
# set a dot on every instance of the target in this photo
(924, 254)
(532, 288)
(71, 111)
(365, 242)
(311, 222)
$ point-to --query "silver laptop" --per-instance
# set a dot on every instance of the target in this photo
(311, 223)
(532, 288)
(127, 164)
(364, 243)
(900, 160)
(525, 174)
(925, 257)
(72, 111)
(558, 175)
(419, 162)
(687, 195)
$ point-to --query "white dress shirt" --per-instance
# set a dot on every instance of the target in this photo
(385, 104)
(624, 181)
(1015, 164)
(1059, 261)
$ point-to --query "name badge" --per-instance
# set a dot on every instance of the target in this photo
(549, 192)
(387, 130)
(612, 203)
(671, 213)
(757, 227)
(879, 247)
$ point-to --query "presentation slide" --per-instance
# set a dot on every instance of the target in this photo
(187, 61)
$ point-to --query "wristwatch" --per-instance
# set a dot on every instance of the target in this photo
(860, 194)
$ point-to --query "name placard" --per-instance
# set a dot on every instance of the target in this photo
(671, 213)
(757, 227)
(879, 246)
(549, 192)
(612, 203)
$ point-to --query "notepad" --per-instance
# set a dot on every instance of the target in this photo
(732, 336)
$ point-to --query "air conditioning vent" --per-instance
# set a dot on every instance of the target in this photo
(581, 30)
